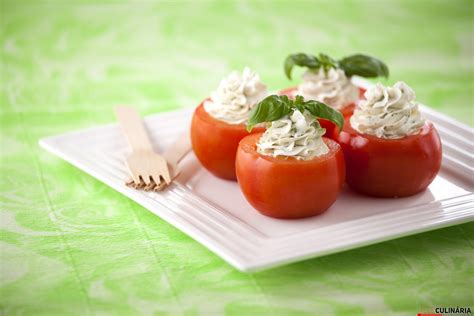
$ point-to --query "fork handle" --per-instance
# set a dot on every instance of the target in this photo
(178, 149)
(133, 128)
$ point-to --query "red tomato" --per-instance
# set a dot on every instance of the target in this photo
(215, 142)
(284, 187)
(331, 129)
(391, 167)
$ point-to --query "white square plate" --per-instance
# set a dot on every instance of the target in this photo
(215, 213)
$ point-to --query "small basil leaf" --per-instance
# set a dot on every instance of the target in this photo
(324, 111)
(327, 62)
(364, 66)
(302, 60)
(271, 108)
(299, 103)
(299, 99)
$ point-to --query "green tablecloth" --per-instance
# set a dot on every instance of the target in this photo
(72, 246)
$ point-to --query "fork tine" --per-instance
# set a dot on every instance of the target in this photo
(139, 185)
(130, 182)
(135, 175)
(165, 174)
(160, 186)
(150, 186)
(146, 179)
(156, 176)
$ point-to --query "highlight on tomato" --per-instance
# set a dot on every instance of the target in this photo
(389, 149)
(290, 171)
(219, 122)
(330, 81)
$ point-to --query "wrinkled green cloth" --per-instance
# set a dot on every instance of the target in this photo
(70, 245)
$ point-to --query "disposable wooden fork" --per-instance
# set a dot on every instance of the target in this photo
(148, 169)
(173, 156)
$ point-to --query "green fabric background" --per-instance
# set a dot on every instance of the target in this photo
(72, 246)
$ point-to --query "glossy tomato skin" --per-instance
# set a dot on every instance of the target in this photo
(331, 129)
(391, 167)
(215, 142)
(286, 187)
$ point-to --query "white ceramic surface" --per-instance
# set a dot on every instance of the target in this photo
(215, 213)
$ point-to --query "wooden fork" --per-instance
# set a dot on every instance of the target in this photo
(173, 155)
(148, 169)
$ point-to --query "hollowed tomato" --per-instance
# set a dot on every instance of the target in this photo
(391, 167)
(284, 187)
(331, 128)
(215, 142)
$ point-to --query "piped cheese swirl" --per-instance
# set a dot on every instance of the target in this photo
(235, 97)
(388, 112)
(297, 135)
(333, 88)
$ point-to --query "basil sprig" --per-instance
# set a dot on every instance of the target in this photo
(358, 64)
(275, 107)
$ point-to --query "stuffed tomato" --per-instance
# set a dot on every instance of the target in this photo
(390, 151)
(218, 123)
(290, 170)
(329, 81)
(215, 142)
(284, 187)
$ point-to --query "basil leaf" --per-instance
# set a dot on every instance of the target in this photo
(302, 60)
(364, 66)
(324, 111)
(271, 108)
